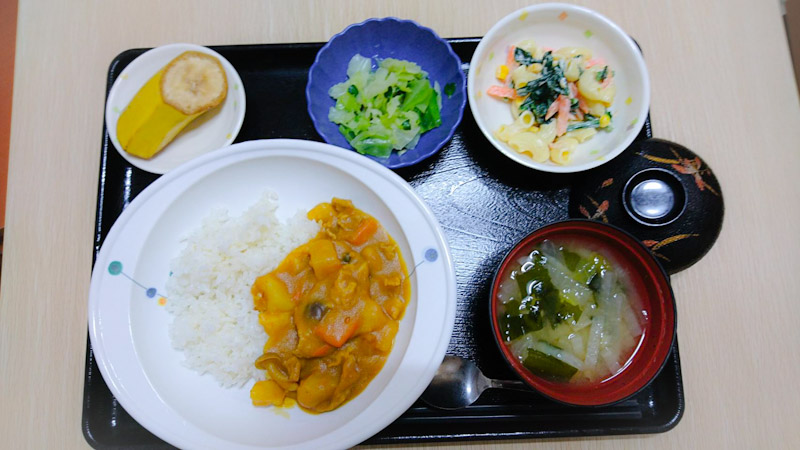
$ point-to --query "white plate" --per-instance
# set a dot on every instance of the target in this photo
(129, 330)
(214, 129)
(559, 25)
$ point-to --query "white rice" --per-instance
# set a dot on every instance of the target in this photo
(214, 323)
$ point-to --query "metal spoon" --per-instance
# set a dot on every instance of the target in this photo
(459, 382)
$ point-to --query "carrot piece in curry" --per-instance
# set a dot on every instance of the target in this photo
(365, 230)
(338, 330)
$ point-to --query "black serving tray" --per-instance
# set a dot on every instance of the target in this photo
(485, 203)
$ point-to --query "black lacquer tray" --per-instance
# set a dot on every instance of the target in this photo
(485, 203)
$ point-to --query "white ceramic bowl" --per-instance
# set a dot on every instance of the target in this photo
(558, 25)
(212, 130)
(129, 329)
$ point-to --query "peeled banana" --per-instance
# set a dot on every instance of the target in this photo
(184, 89)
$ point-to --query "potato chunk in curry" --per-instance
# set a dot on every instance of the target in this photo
(331, 310)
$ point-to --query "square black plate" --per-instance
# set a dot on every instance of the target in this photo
(485, 203)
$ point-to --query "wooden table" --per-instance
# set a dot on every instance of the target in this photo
(722, 84)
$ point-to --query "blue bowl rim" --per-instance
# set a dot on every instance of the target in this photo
(462, 77)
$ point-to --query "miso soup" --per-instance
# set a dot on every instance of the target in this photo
(569, 313)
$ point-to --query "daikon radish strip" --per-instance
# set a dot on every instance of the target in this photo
(593, 346)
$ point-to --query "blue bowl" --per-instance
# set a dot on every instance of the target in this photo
(388, 38)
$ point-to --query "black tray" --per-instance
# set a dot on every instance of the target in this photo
(484, 201)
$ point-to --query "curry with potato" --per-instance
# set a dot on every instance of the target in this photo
(331, 310)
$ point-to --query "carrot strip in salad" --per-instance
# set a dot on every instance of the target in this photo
(553, 109)
(595, 61)
(501, 92)
(511, 62)
(582, 106)
(563, 115)
(573, 89)
(607, 80)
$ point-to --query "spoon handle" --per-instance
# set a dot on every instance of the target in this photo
(509, 384)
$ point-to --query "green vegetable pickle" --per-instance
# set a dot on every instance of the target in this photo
(386, 109)
(449, 89)
(548, 366)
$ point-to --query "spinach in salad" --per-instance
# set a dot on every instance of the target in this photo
(589, 121)
(522, 57)
(543, 91)
(602, 75)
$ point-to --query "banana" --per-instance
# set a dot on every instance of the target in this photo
(184, 89)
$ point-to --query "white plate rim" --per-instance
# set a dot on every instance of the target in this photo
(169, 51)
(356, 436)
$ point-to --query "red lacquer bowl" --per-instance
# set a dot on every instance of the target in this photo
(647, 278)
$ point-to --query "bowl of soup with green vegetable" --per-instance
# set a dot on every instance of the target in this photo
(583, 312)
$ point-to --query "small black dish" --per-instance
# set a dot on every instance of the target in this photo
(662, 193)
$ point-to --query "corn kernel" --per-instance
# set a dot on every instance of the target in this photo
(502, 72)
(535, 68)
(605, 120)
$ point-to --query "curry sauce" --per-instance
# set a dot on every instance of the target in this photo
(331, 309)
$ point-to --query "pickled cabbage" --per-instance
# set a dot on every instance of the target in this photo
(386, 109)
